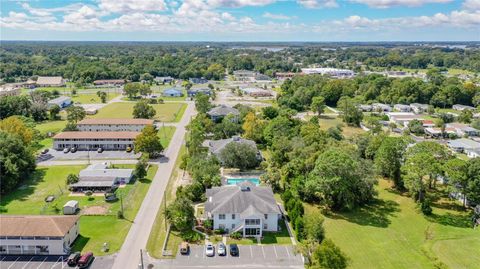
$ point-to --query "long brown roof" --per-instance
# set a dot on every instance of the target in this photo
(116, 121)
(93, 135)
(36, 225)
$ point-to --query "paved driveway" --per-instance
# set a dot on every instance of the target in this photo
(49, 262)
(54, 155)
(250, 257)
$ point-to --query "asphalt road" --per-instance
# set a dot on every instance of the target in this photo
(129, 255)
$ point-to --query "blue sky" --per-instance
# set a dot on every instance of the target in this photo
(241, 20)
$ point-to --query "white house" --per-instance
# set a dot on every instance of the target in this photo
(113, 125)
(99, 177)
(419, 108)
(462, 107)
(70, 207)
(402, 108)
(94, 140)
(6, 90)
(463, 145)
(463, 129)
(403, 118)
(243, 208)
(50, 82)
(37, 235)
(473, 153)
(62, 102)
(379, 107)
(333, 72)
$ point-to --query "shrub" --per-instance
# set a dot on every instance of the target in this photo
(236, 235)
(208, 224)
(120, 214)
(426, 207)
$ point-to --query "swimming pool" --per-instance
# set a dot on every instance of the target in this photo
(235, 181)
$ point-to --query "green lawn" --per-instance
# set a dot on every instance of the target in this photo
(51, 126)
(168, 112)
(393, 234)
(94, 230)
(89, 98)
(348, 131)
(166, 133)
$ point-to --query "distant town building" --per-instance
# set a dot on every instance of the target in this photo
(284, 75)
(244, 75)
(256, 92)
(172, 92)
(379, 107)
(99, 177)
(62, 102)
(50, 82)
(402, 108)
(463, 144)
(463, 129)
(37, 235)
(333, 72)
(194, 92)
(8, 90)
(109, 82)
(403, 118)
(113, 125)
(94, 140)
(219, 112)
(365, 108)
(163, 79)
(198, 80)
(462, 107)
(419, 108)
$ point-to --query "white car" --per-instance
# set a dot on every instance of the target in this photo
(221, 249)
(209, 250)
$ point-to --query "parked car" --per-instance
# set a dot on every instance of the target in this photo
(184, 248)
(209, 250)
(44, 151)
(110, 197)
(221, 249)
(85, 260)
(99, 150)
(234, 250)
(73, 259)
(66, 150)
(73, 150)
(128, 149)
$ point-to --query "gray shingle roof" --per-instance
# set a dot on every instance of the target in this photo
(216, 146)
(233, 200)
(223, 110)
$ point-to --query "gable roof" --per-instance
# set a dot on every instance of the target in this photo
(49, 80)
(245, 199)
(36, 225)
(116, 121)
(223, 110)
(94, 135)
(216, 146)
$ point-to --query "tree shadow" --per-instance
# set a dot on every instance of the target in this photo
(449, 219)
(376, 214)
(80, 243)
(23, 190)
(145, 180)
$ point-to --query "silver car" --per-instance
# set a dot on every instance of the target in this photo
(209, 250)
(221, 249)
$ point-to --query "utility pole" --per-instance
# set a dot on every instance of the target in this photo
(165, 208)
(121, 204)
(141, 259)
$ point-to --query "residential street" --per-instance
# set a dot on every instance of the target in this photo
(129, 255)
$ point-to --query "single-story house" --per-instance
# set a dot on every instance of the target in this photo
(244, 75)
(437, 132)
(463, 129)
(379, 107)
(6, 90)
(365, 108)
(428, 123)
(113, 125)
(198, 80)
(70, 207)
(50, 82)
(109, 82)
(99, 177)
(215, 147)
(37, 235)
(256, 92)
(167, 79)
(284, 75)
(472, 153)
(462, 107)
(194, 92)
(402, 108)
(463, 144)
(219, 112)
(403, 118)
(94, 140)
(172, 92)
(262, 77)
(243, 208)
(62, 102)
(419, 108)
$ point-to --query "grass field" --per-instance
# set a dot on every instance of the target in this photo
(348, 131)
(51, 126)
(88, 98)
(165, 133)
(393, 234)
(168, 112)
(94, 230)
(158, 233)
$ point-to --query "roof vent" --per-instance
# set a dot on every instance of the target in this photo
(244, 188)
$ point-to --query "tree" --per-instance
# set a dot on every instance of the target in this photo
(465, 116)
(318, 105)
(17, 161)
(75, 114)
(327, 255)
(102, 95)
(53, 112)
(416, 127)
(473, 186)
(314, 227)
(350, 113)
(180, 214)
(227, 128)
(15, 126)
(38, 111)
(202, 103)
(72, 178)
(148, 142)
(14, 105)
(269, 112)
(132, 89)
(140, 169)
(253, 127)
(239, 155)
(389, 159)
(142, 110)
(456, 171)
(341, 180)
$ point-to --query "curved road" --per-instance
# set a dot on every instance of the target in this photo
(129, 255)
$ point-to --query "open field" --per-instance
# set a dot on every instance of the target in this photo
(95, 230)
(392, 233)
(166, 133)
(168, 112)
(348, 131)
(51, 126)
(158, 233)
(90, 98)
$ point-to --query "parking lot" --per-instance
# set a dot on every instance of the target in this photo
(252, 256)
(54, 155)
(49, 262)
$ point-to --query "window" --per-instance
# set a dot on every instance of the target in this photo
(221, 226)
(266, 216)
(265, 226)
(233, 226)
(221, 216)
(252, 222)
(233, 216)
(42, 249)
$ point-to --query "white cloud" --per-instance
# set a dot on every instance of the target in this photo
(318, 3)
(129, 6)
(227, 16)
(391, 3)
(272, 16)
(471, 4)
(239, 3)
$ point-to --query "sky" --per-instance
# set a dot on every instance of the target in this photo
(240, 20)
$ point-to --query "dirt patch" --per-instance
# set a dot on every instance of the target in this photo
(95, 210)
